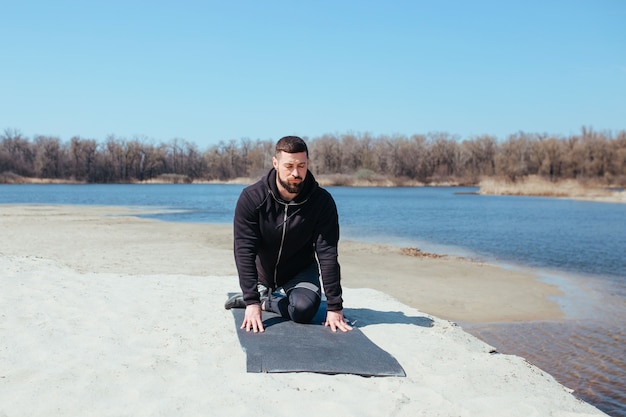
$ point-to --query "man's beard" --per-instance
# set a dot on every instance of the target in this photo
(293, 187)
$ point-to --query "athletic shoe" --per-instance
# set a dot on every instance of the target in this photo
(236, 301)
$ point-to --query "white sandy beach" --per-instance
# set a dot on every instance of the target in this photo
(105, 314)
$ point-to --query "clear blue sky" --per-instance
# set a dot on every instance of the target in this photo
(207, 71)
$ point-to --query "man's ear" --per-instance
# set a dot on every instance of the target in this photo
(275, 162)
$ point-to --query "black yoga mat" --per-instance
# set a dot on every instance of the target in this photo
(286, 346)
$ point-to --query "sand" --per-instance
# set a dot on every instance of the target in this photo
(106, 314)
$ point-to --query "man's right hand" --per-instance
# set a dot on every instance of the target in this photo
(252, 319)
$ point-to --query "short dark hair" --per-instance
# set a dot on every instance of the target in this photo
(291, 144)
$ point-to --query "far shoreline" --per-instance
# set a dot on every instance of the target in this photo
(532, 186)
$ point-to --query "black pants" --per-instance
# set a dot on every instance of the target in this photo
(302, 298)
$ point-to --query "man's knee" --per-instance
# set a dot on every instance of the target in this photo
(303, 305)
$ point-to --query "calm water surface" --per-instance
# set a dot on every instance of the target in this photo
(580, 246)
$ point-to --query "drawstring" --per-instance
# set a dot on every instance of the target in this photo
(288, 217)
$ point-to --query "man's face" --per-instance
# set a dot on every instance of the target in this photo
(291, 170)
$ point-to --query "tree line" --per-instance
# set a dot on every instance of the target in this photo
(431, 158)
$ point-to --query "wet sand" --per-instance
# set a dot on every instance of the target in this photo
(585, 355)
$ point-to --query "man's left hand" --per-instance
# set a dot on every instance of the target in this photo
(335, 320)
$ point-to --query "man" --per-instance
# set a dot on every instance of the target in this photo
(286, 232)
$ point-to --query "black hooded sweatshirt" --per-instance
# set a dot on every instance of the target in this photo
(275, 239)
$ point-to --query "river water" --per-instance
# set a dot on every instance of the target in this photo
(579, 246)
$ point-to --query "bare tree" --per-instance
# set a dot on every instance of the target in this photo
(326, 156)
(51, 158)
(590, 155)
(17, 155)
(445, 155)
(83, 154)
(478, 157)
(512, 157)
